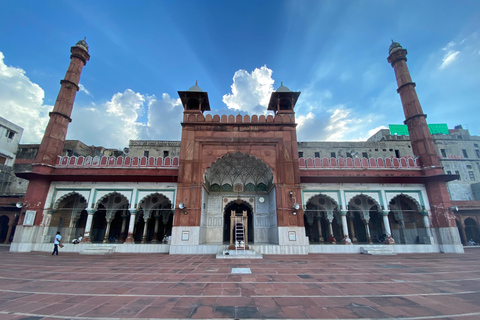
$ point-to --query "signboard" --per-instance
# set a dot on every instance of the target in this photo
(292, 236)
(185, 235)
(29, 218)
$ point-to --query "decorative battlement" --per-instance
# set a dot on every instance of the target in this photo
(345, 163)
(239, 119)
(117, 162)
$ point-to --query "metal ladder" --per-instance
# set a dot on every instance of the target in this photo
(239, 235)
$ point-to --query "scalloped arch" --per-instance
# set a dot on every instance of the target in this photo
(322, 195)
(59, 200)
(238, 167)
(152, 195)
(233, 201)
(99, 201)
(366, 196)
(419, 207)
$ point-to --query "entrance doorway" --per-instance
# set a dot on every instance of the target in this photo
(238, 206)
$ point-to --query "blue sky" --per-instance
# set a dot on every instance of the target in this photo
(143, 52)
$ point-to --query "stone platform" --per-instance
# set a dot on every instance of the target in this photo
(39, 286)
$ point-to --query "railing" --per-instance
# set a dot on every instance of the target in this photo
(345, 163)
(338, 163)
(117, 161)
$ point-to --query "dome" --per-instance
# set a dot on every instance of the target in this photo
(282, 88)
(82, 44)
(195, 88)
(394, 46)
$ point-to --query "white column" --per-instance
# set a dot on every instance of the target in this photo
(131, 225)
(319, 226)
(426, 222)
(145, 228)
(346, 237)
(367, 230)
(88, 226)
(107, 231)
(388, 231)
(330, 229)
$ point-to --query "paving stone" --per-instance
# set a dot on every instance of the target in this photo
(160, 286)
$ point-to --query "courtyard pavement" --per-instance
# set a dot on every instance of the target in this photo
(161, 286)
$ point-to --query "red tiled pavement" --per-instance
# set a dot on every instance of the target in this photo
(160, 286)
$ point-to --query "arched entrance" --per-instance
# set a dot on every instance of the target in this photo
(4, 220)
(407, 222)
(240, 182)
(471, 230)
(239, 207)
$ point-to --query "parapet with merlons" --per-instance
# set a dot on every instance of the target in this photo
(238, 119)
(157, 162)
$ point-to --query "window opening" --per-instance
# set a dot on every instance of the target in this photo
(465, 154)
(146, 153)
(471, 175)
(444, 153)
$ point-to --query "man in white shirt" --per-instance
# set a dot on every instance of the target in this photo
(75, 241)
(56, 242)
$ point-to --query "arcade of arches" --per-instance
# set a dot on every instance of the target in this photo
(364, 221)
(111, 221)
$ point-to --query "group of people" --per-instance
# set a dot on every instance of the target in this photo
(57, 242)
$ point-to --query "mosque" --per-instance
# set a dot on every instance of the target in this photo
(239, 183)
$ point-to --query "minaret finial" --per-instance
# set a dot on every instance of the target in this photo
(281, 83)
(196, 82)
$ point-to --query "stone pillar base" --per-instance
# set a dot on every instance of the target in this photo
(86, 239)
(129, 238)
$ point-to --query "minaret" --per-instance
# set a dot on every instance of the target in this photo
(423, 146)
(54, 137)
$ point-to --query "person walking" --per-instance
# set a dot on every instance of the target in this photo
(56, 242)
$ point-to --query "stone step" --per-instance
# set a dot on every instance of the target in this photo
(378, 250)
(239, 254)
(98, 250)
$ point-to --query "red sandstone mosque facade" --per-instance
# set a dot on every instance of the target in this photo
(238, 183)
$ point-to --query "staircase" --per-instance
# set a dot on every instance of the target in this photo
(239, 235)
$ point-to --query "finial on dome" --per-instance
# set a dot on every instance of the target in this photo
(394, 46)
(282, 88)
(195, 87)
(82, 44)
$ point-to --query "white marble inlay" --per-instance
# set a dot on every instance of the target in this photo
(241, 270)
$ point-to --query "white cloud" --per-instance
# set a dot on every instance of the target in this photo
(250, 91)
(82, 89)
(21, 102)
(113, 123)
(110, 124)
(448, 58)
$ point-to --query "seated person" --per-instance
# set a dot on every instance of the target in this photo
(75, 241)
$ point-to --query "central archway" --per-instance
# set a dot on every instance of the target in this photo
(238, 206)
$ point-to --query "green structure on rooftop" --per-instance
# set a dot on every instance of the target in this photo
(402, 129)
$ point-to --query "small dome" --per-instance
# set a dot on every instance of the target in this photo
(82, 44)
(195, 88)
(282, 88)
(394, 47)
